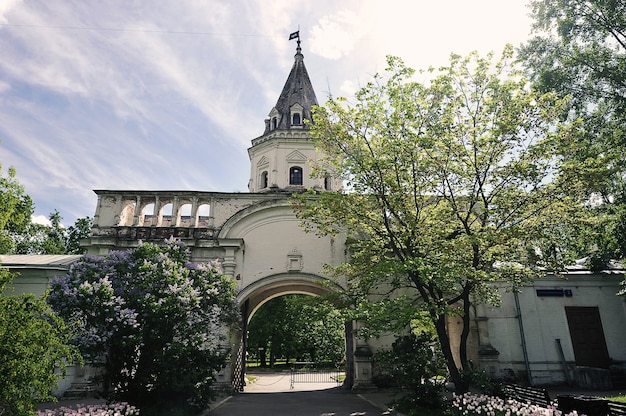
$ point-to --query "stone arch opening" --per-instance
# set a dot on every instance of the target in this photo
(146, 218)
(183, 217)
(252, 298)
(165, 215)
(203, 214)
(127, 214)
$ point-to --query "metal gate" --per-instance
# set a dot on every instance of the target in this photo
(310, 372)
(239, 367)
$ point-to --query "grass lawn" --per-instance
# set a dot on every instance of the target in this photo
(621, 398)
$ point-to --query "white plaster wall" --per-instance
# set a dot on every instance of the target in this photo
(277, 153)
(273, 239)
(545, 321)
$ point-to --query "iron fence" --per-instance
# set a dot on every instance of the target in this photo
(310, 372)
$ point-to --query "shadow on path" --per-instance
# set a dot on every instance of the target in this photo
(330, 402)
(273, 394)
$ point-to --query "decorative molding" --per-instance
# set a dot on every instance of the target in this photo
(296, 156)
(294, 261)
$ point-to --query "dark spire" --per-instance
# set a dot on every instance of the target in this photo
(297, 90)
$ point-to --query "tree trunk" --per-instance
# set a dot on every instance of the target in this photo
(460, 385)
(263, 362)
(466, 330)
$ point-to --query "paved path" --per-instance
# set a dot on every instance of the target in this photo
(271, 395)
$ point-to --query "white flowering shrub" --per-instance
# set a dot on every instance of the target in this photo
(114, 409)
(151, 319)
(470, 404)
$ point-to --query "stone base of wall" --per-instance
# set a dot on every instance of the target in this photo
(592, 378)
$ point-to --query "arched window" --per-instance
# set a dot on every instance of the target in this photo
(274, 123)
(295, 175)
(327, 183)
(183, 219)
(127, 215)
(264, 179)
(203, 215)
(147, 215)
(296, 119)
(165, 219)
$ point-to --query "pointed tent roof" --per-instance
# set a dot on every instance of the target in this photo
(297, 90)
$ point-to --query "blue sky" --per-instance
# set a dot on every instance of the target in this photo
(167, 95)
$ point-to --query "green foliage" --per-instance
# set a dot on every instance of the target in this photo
(75, 233)
(155, 322)
(412, 367)
(16, 209)
(579, 50)
(478, 379)
(297, 327)
(451, 184)
(41, 238)
(33, 344)
(54, 238)
(19, 235)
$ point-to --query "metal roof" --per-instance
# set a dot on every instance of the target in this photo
(297, 90)
(53, 261)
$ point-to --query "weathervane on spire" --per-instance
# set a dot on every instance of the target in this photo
(296, 35)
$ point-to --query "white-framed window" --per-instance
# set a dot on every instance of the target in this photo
(295, 175)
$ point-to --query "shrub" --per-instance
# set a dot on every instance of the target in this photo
(153, 320)
(33, 343)
(412, 368)
(469, 404)
(114, 409)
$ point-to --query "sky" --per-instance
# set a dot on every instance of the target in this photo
(168, 94)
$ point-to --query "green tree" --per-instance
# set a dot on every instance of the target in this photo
(297, 326)
(156, 322)
(33, 344)
(52, 239)
(77, 232)
(451, 184)
(38, 238)
(16, 209)
(579, 49)
(411, 360)
(268, 331)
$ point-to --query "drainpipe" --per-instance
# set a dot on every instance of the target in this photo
(521, 332)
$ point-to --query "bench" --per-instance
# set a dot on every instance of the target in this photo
(617, 408)
(591, 405)
(526, 394)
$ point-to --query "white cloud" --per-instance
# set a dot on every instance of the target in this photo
(40, 219)
(5, 7)
(335, 35)
(169, 96)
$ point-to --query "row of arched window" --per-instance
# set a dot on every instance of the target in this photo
(165, 217)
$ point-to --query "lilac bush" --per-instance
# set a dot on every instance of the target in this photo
(154, 321)
(114, 409)
(470, 404)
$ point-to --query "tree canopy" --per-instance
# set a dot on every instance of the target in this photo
(34, 342)
(16, 209)
(451, 184)
(152, 319)
(579, 50)
(38, 238)
(297, 326)
(20, 235)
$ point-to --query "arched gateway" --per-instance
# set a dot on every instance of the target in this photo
(255, 235)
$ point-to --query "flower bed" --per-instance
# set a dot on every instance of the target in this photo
(469, 404)
(113, 409)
